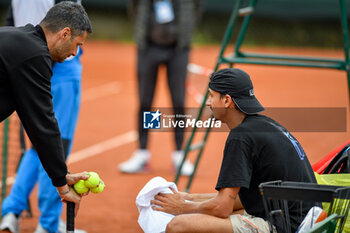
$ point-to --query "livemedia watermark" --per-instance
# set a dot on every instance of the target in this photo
(293, 119)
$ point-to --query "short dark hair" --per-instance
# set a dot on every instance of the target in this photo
(67, 14)
(222, 95)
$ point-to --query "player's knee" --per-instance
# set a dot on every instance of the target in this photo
(176, 225)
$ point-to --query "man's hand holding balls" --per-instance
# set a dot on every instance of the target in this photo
(82, 183)
(92, 183)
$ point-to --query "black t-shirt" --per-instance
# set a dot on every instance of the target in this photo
(261, 150)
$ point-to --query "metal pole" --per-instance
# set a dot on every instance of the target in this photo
(345, 31)
(229, 29)
(244, 28)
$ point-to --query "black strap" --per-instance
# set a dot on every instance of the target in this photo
(342, 165)
(341, 159)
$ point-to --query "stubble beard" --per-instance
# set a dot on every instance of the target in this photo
(60, 53)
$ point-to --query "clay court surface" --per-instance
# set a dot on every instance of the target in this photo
(106, 128)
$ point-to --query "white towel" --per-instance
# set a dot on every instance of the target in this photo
(152, 221)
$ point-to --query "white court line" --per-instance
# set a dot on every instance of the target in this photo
(93, 150)
(9, 181)
(101, 91)
(198, 69)
(104, 146)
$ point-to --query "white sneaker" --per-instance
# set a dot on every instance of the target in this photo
(137, 163)
(62, 228)
(40, 229)
(187, 168)
(10, 223)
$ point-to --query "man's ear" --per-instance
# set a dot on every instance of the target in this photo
(65, 33)
(228, 101)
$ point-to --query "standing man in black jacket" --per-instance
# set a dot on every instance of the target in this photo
(26, 57)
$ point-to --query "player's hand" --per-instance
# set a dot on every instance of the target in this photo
(74, 178)
(185, 195)
(169, 203)
(70, 195)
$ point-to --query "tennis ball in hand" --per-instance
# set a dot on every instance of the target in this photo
(99, 188)
(80, 187)
(93, 180)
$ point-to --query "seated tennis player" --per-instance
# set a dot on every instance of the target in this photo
(257, 150)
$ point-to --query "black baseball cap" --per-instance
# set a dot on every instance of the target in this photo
(237, 84)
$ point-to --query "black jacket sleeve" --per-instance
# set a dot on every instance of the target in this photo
(31, 86)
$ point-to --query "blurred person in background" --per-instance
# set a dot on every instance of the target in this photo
(163, 33)
(66, 95)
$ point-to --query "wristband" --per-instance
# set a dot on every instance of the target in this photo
(65, 192)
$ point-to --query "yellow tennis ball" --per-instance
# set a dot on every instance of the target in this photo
(80, 187)
(93, 180)
(99, 188)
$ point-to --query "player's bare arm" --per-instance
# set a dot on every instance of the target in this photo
(199, 197)
(221, 205)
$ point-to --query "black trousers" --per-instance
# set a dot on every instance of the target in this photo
(148, 62)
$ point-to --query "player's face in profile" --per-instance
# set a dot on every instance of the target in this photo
(68, 47)
(216, 104)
